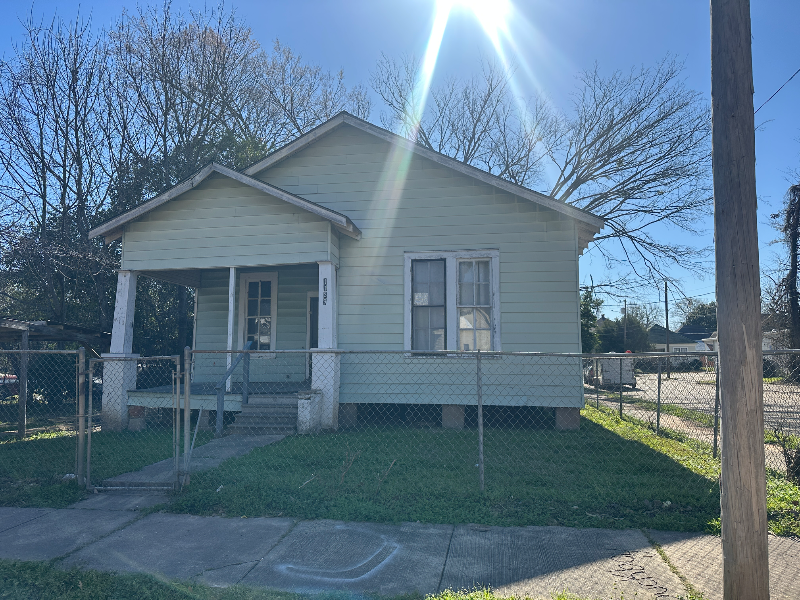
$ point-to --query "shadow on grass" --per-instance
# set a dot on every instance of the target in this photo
(599, 476)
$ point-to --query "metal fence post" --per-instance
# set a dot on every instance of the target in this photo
(22, 403)
(716, 408)
(246, 378)
(596, 386)
(81, 408)
(480, 420)
(89, 429)
(187, 412)
(176, 430)
(620, 388)
(658, 401)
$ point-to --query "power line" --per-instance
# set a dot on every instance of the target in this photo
(776, 92)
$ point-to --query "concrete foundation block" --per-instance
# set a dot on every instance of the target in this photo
(136, 420)
(348, 415)
(452, 416)
(309, 413)
(568, 419)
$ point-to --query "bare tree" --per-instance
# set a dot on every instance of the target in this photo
(94, 123)
(633, 148)
(51, 151)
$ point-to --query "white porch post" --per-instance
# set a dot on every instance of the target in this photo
(231, 311)
(120, 376)
(325, 372)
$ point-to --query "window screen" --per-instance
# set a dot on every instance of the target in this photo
(427, 305)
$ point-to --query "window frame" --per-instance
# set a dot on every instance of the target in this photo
(244, 280)
(451, 258)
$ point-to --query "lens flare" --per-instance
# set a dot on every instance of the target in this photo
(494, 17)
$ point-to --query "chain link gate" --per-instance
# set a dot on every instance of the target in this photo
(134, 425)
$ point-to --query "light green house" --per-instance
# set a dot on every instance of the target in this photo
(354, 238)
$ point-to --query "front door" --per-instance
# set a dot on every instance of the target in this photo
(313, 328)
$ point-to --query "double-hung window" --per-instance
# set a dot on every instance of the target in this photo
(474, 305)
(452, 301)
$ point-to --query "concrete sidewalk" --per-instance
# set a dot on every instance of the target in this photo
(108, 533)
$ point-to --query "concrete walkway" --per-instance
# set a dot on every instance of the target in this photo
(108, 532)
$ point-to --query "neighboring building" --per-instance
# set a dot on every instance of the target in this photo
(352, 237)
(771, 340)
(695, 333)
(678, 343)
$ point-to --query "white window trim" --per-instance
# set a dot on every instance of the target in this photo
(244, 279)
(451, 258)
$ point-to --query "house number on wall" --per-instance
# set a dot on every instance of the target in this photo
(324, 291)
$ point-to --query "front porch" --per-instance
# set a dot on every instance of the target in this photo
(267, 308)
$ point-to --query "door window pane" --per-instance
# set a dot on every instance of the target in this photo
(259, 315)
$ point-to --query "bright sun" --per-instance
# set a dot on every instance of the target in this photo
(491, 14)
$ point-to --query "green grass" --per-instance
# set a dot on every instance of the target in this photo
(698, 417)
(42, 581)
(607, 474)
(32, 470)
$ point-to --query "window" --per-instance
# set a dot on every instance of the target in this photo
(452, 300)
(681, 350)
(428, 305)
(474, 305)
(258, 310)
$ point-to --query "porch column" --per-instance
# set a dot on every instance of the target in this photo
(325, 372)
(120, 376)
(231, 312)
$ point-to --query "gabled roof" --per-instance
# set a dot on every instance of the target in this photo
(588, 223)
(695, 332)
(658, 335)
(113, 229)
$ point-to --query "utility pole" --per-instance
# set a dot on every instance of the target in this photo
(743, 498)
(666, 317)
(625, 326)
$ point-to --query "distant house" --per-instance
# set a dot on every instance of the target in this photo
(354, 238)
(678, 342)
(771, 340)
(696, 333)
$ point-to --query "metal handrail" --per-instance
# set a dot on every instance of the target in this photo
(220, 387)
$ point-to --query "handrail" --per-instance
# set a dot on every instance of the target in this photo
(220, 387)
(234, 364)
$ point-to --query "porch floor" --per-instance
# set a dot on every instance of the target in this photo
(256, 388)
(204, 394)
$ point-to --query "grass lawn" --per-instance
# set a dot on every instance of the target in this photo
(610, 473)
(32, 470)
(41, 581)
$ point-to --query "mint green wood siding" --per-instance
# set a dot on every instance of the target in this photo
(224, 223)
(294, 283)
(434, 208)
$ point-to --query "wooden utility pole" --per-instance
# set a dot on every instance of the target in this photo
(743, 499)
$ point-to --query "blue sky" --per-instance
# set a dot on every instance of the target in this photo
(554, 41)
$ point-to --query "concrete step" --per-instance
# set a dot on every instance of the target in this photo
(261, 430)
(277, 399)
(280, 422)
(269, 409)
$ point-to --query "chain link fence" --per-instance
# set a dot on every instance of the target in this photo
(134, 422)
(38, 422)
(621, 441)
